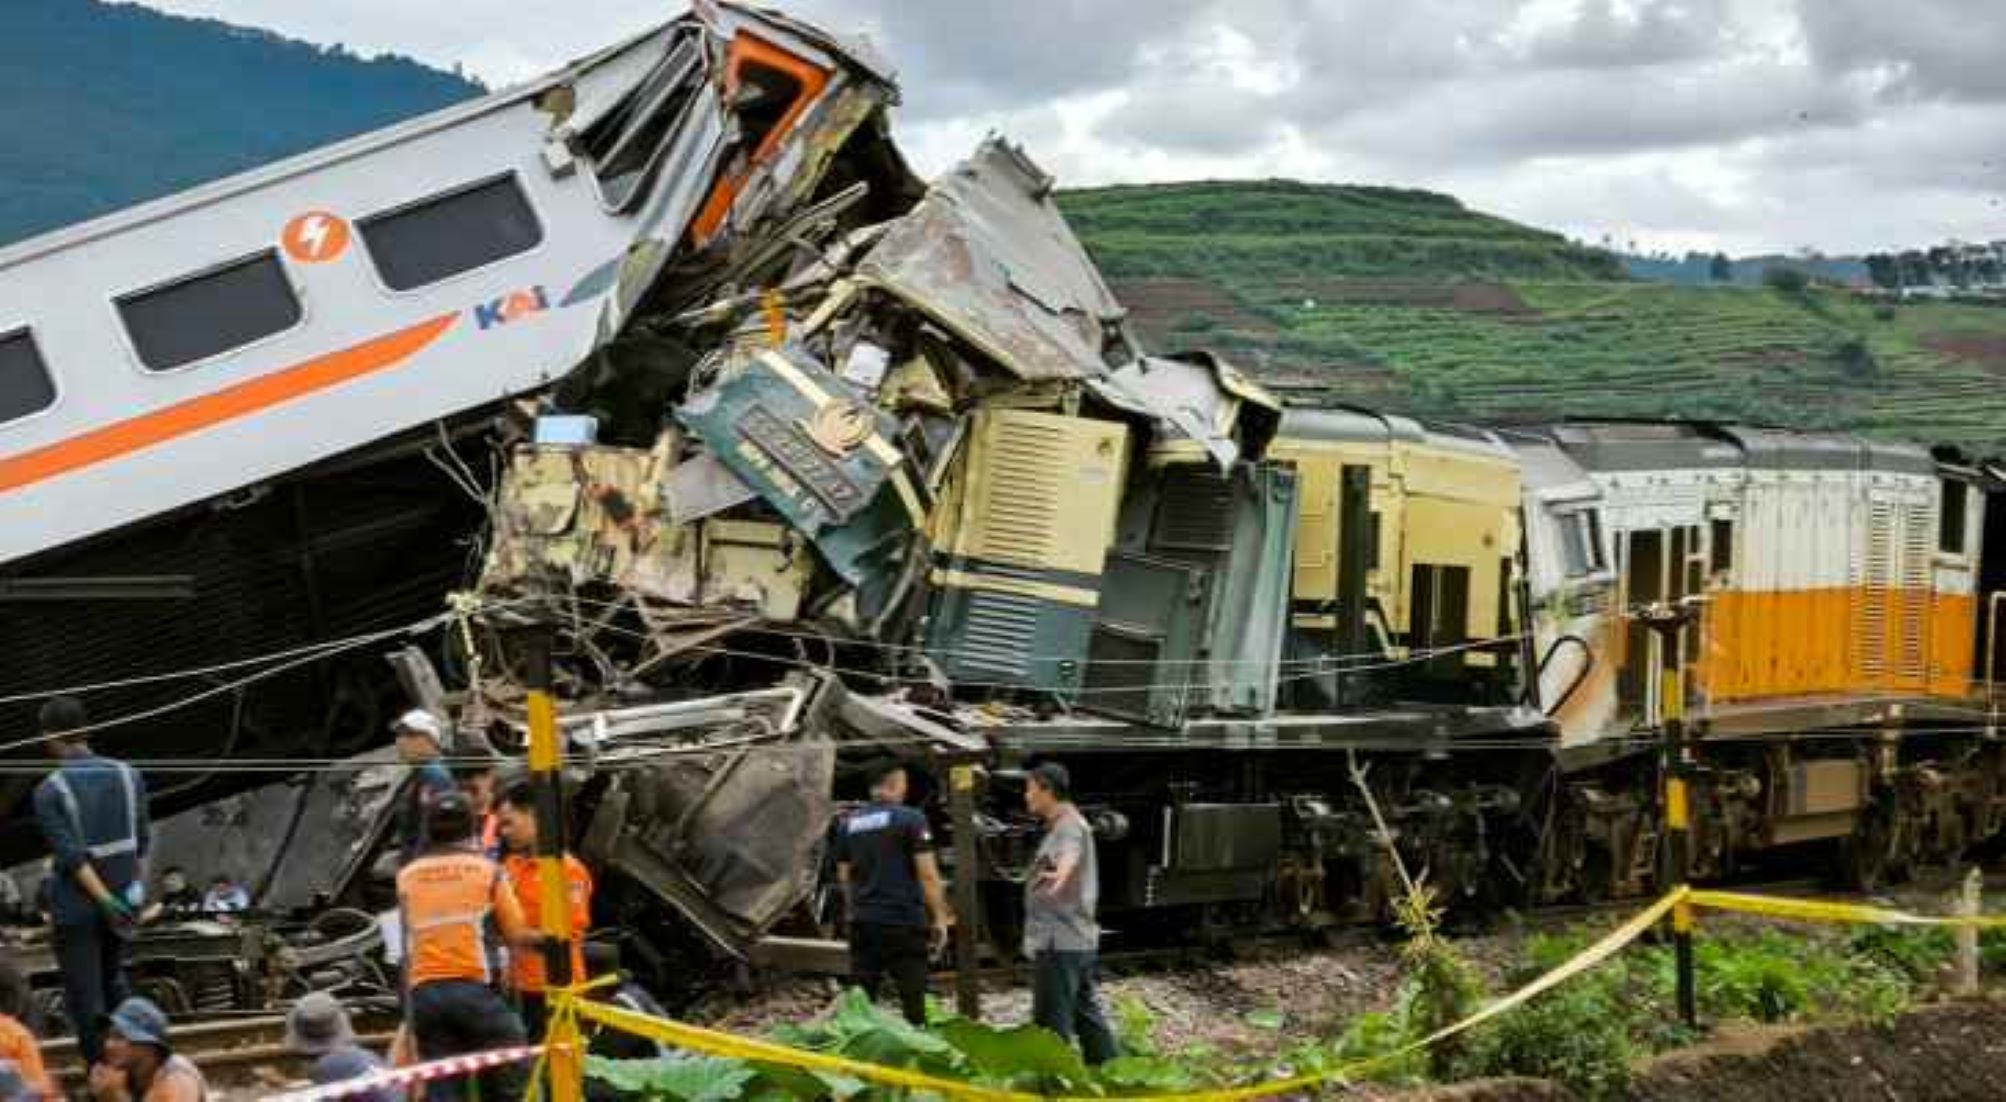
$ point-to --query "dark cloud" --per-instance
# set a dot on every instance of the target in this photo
(1949, 49)
(1751, 122)
(961, 58)
(1194, 118)
(1575, 112)
(1602, 36)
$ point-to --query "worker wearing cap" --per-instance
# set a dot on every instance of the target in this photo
(420, 741)
(527, 978)
(317, 1027)
(92, 814)
(139, 1064)
(452, 900)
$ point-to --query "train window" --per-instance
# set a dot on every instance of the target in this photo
(210, 313)
(25, 385)
(421, 243)
(1720, 545)
(1439, 604)
(627, 143)
(1581, 542)
(1950, 522)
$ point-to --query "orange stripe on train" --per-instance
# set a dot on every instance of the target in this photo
(195, 414)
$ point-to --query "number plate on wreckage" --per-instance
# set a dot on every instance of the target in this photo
(769, 438)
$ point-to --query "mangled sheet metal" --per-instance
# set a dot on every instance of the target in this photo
(817, 452)
(988, 256)
(579, 515)
(1198, 400)
(730, 126)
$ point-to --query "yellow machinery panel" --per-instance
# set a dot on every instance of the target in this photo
(1435, 505)
(1021, 540)
(1038, 490)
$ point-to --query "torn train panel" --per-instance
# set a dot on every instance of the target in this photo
(730, 130)
(824, 458)
(987, 256)
(725, 827)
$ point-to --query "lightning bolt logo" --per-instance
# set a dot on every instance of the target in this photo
(315, 237)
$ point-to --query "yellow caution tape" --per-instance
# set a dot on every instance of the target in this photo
(1819, 910)
(715, 1043)
(712, 1042)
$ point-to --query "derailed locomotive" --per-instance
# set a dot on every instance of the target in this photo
(801, 464)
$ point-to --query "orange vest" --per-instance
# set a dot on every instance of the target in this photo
(526, 971)
(20, 1046)
(446, 901)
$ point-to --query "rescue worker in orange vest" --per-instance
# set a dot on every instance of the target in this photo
(517, 812)
(451, 902)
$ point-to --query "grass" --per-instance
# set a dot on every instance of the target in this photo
(1347, 287)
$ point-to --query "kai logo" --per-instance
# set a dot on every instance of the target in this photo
(511, 307)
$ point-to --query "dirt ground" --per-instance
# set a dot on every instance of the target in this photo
(1268, 999)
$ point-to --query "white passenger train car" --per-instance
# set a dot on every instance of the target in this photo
(186, 348)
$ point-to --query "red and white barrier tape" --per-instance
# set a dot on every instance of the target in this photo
(449, 1068)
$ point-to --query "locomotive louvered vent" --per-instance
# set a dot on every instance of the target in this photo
(1918, 532)
(1195, 512)
(1870, 589)
(1000, 632)
(1121, 671)
(1026, 494)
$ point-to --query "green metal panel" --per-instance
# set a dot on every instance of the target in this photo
(1249, 616)
(986, 637)
(1239, 527)
(1146, 640)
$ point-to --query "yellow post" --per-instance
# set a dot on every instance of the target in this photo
(563, 1053)
(1677, 758)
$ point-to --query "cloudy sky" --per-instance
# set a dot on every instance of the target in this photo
(1749, 125)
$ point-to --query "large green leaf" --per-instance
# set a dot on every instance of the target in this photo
(677, 1078)
(1265, 1019)
(865, 1032)
(779, 1081)
(1136, 1073)
(1025, 1055)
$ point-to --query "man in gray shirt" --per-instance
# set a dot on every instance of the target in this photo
(1060, 935)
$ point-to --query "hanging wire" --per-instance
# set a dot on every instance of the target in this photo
(1326, 662)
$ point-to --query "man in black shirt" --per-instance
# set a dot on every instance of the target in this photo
(884, 859)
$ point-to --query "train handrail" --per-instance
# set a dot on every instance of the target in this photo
(1587, 667)
(1992, 656)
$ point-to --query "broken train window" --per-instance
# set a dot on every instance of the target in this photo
(209, 313)
(444, 235)
(628, 142)
(1581, 542)
(25, 385)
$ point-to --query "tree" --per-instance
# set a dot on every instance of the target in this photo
(1720, 269)
(1915, 269)
(1884, 270)
(1942, 264)
(1789, 281)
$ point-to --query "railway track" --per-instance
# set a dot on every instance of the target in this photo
(230, 1051)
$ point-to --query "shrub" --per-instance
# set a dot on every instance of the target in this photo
(1578, 1035)
(1855, 358)
(1789, 281)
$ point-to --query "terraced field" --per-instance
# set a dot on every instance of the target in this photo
(1475, 317)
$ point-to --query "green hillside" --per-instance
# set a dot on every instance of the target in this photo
(113, 104)
(1408, 300)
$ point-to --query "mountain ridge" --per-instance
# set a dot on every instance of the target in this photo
(1397, 297)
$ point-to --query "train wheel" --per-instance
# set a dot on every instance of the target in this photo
(1867, 859)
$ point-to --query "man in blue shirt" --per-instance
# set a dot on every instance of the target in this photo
(92, 813)
(885, 862)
